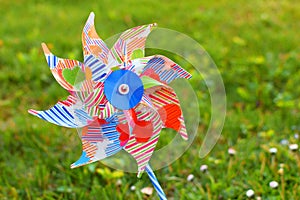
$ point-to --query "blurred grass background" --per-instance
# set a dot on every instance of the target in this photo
(256, 48)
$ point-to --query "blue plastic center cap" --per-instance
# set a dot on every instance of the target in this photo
(123, 89)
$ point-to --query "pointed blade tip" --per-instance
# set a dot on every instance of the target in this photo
(45, 48)
(92, 15)
(32, 112)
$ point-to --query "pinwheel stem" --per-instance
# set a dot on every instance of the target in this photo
(155, 183)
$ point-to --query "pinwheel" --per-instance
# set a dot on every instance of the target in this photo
(118, 98)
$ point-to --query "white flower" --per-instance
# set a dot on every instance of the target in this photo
(281, 165)
(231, 151)
(203, 168)
(147, 190)
(250, 193)
(296, 136)
(293, 147)
(132, 188)
(190, 177)
(273, 150)
(119, 182)
(273, 184)
(281, 171)
(284, 142)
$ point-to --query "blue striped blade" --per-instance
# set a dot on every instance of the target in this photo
(64, 116)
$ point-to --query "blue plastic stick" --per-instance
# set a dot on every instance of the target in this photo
(155, 183)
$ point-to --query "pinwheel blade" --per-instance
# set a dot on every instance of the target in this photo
(72, 75)
(91, 42)
(165, 100)
(99, 140)
(130, 45)
(65, 113)
(142, 151)
(95, 51)
(93, 98)
(163, 69)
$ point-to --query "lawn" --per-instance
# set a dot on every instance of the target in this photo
(255, 45)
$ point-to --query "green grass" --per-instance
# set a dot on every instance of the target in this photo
(255, 45)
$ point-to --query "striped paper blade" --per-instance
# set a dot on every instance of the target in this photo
(165, 100)
(163, 69)
(92, 44)
(70, 74)
(130, 45)
(142, 152)
(66, 113)
(99, 140)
